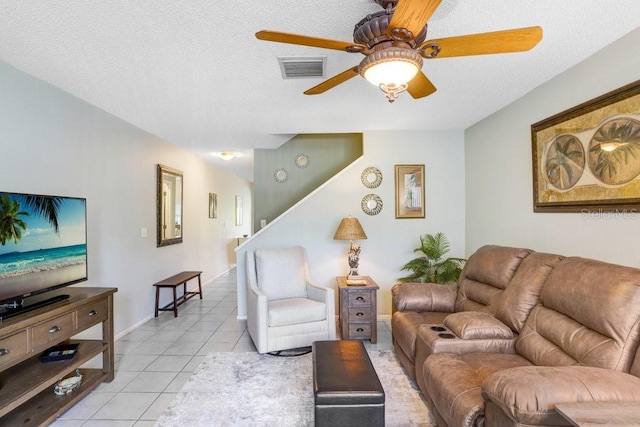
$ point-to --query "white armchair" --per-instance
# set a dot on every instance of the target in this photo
(285, 309)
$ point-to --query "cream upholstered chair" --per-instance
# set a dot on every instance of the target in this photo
(285, 309)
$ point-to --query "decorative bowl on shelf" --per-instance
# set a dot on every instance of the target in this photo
(67, 385)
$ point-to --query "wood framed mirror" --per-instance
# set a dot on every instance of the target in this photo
(169, 211)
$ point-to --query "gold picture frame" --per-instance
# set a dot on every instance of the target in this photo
(410, 200)
(588, 157)
(169, 205)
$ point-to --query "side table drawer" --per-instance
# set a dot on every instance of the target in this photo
(53, 331)
(360, 314)
(92, 314)
(13, 347)
(359, 331)
(362, 298)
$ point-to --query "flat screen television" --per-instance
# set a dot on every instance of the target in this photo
(43, 246)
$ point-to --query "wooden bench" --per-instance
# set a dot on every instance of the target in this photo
(173, 282)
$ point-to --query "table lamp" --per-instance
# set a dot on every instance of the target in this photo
(350, 229)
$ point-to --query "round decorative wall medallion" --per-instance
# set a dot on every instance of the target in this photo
(371, 204)
(280, 175)
(371, 177)
(302, 160)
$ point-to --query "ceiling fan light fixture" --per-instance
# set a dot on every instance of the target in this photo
(391, 69)
(227, 155)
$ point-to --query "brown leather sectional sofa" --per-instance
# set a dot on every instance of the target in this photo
(521, 332)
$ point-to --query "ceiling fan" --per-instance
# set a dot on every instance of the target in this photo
(393, 42)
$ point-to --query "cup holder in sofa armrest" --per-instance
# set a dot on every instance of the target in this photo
(438, 328)
(446, 335)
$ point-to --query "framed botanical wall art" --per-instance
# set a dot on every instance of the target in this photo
(588, 157)
(410, 202)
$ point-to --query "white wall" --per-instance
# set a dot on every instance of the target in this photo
(52, 143)
(313, 221)
(499, 207)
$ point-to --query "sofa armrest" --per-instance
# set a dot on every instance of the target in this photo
(324, 294)
(424, 297)
(319, 293)
(528, 395)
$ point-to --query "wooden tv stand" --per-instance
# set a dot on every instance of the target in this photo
(26, 384)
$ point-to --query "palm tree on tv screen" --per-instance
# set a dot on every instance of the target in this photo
(45, 206)
(11, 226)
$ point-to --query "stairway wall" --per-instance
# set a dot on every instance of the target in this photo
(327, 153)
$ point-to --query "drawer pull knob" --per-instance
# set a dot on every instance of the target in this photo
(360, 299)
(359, 329)
(4, 351)
(359, 314)
(55, 329)
(92, 313)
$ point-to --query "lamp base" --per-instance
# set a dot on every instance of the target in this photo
(354, 259)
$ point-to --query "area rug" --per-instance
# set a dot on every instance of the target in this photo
(250, 389)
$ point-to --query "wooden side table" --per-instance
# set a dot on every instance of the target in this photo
(587, 414)
(358, 311)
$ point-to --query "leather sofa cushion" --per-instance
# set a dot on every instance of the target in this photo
(523, 293)
(280, 272)
(424, 297)
(487, 272)
(470, 325)
(528, 395)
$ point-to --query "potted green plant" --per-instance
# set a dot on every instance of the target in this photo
(431, 267)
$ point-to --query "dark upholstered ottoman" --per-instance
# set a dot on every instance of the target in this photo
(346, 388)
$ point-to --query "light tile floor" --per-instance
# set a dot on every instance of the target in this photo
(155, 360)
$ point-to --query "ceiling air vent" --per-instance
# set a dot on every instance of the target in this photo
(301, 68)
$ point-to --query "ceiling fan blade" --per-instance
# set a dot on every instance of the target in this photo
(412, 15)
(275, 36)
(420, 86)
(517, 40)
(333, 82)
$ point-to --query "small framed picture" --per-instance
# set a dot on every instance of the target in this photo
(410, 201)
(213, 205)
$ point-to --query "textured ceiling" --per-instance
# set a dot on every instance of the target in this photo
(192, 72)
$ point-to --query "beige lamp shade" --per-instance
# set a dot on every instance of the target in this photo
(349, 229)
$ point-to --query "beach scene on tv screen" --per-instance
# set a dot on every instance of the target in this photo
(42, 242)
